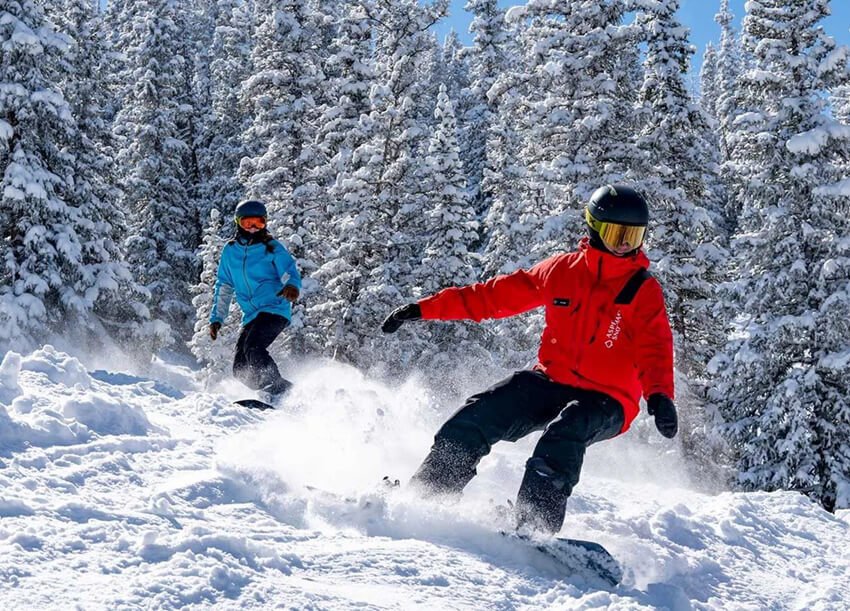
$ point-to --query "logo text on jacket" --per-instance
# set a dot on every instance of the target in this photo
(613, 330)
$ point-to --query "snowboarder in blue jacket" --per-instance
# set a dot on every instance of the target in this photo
(262, 274)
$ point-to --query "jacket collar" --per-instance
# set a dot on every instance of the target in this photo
(608, 265)
(243, 238)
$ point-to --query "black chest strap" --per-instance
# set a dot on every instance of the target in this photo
(632, 287)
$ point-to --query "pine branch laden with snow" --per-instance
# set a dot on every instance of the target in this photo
(784, 408)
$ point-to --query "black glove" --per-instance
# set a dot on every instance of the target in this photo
(289, 292)
(662, 408)
(214, 327)
(411, 311)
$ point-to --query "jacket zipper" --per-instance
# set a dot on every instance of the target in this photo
(245, 276)
(581, 350)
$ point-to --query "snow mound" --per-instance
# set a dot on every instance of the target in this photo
(59, 367)
(107, 415)
(48, 399)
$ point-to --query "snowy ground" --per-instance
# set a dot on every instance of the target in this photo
(123, 492)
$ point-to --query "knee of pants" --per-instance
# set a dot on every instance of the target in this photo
(465, 435)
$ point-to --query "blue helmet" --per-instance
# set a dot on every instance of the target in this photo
(250, 207)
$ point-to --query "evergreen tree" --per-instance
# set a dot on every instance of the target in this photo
(680, 183)
(726, 104)
(450, 229)
(451, 225)
(344, 127)
(164, 226)
(282, 90)
(708, 81)
(778, 386)
(119, 302)
(57, 271)
(227, 121)
(729, 67)
(215, 356)
(487, 60)
(577, 113)
(384, 223)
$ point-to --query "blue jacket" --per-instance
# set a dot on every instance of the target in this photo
(256, 275)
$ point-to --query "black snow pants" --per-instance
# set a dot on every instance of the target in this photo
(252, 364)
(526, 402)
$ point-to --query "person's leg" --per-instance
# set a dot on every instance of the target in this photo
(241, 368)
(507, 411)
(554, 467)
(263, 372)
(267, 375)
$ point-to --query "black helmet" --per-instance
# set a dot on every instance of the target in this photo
(617, 217)
(250, 207)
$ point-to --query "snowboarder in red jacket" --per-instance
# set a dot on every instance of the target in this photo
(606, 342)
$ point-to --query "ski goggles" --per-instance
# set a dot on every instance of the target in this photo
(618, 238)
(251, 222)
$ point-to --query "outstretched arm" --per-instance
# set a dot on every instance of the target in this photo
(500, 297)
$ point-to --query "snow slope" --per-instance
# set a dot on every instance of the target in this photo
(123, 492)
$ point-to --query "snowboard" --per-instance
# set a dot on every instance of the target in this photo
(575, 556)
(254, 404)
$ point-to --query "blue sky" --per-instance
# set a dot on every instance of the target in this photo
(698, 15)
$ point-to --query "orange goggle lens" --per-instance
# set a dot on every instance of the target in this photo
(616, 237)
(251, 222)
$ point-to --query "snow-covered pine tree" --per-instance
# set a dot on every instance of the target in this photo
(455, 67)
(284, 92)
(197, 20)
(487, 60)
(227, 121)
(343, 128)
(577, 116)
(385, 224)
(680, 182)
(451, 229)
(56, 270)
(163, 225)
(118, 302)
(216, 356)
(456, 78)
(708, 81)
(781, 383)
(730, 65)
(450, 222)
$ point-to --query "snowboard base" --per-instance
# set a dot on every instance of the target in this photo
(578, 557)
(254, 404)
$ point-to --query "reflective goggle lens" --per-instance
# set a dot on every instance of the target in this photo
(252, 222)
(617, 238)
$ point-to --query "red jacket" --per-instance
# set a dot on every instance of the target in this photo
(589, 341)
